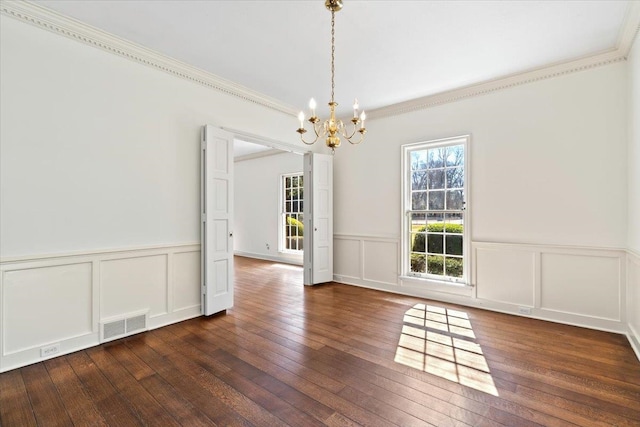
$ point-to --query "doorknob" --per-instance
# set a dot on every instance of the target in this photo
(231, 234)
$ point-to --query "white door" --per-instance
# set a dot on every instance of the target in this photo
(217, 220)
(318, 218)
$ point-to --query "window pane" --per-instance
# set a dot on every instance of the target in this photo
(436, 200)
(287, 207)
(453, 267)
(454, 244)
(455, 178)
(435, 221)
(417, 220)
(418, 242)
(418, 160)
(419, 200)
(287, 182)
(434, 243)
(455, 200)
(436, 158)
(418, 263)
(419, 180)
(435, 264)
(455, 155)
(436, 179)
(454, 222)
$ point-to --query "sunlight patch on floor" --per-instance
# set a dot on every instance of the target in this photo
(441, 342)
(287, 267)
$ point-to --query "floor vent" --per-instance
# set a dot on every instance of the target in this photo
(122, 327)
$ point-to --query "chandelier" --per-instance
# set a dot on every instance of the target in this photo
(333, 128)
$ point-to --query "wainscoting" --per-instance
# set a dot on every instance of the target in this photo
(56, 304)
(572, 285)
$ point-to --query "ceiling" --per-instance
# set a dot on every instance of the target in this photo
(244, 148)
(386, 51)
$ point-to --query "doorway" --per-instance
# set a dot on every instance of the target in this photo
(218, 183)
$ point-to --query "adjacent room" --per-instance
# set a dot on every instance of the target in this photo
(320, 213)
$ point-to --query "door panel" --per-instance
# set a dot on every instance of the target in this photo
(217, 220)
(318, 214)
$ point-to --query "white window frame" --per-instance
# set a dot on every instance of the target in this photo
(405, 240)
(282, 246)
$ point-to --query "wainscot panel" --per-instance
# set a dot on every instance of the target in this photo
(132, 285)
(53, 304)
(186, 280)
(584, 284)
(506, 275)
(370, 261)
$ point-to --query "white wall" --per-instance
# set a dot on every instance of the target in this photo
(100, 198)
(102, 152)
(257, 213)
(633, 191)
(548, 167)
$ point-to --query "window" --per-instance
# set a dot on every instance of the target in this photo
(435, 236)
(291, 222)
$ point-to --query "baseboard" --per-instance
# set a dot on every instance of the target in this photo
(32, 355)
(283, 259)
(175, 317)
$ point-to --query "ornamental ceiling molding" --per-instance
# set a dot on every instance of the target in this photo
(74, 29)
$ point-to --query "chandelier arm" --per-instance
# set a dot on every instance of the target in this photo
(353, 132)
(362, 132)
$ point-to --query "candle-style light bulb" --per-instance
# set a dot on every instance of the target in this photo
(301, 118)
(362, 117)
(312, 106)
(355, 107)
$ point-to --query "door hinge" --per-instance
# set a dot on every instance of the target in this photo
(204, 217)
(203, 144)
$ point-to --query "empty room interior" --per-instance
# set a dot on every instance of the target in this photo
(310, 212)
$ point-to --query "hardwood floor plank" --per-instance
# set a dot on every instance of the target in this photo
(78, 404)
(335, 355)
(15, 408)
(45, 400)
(192, 389)
(107, 400)
(171, 398)
(139, 400)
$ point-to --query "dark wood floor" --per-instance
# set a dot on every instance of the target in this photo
(335, 355)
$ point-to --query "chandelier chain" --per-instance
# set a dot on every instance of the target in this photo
(333, 53)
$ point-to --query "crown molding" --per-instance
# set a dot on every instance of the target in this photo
(52, 21)
(60, 24)
(628, 34)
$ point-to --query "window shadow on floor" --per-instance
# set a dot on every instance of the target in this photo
(441, 342)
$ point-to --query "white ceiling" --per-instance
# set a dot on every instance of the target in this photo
(386, 51)
(244, 148)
